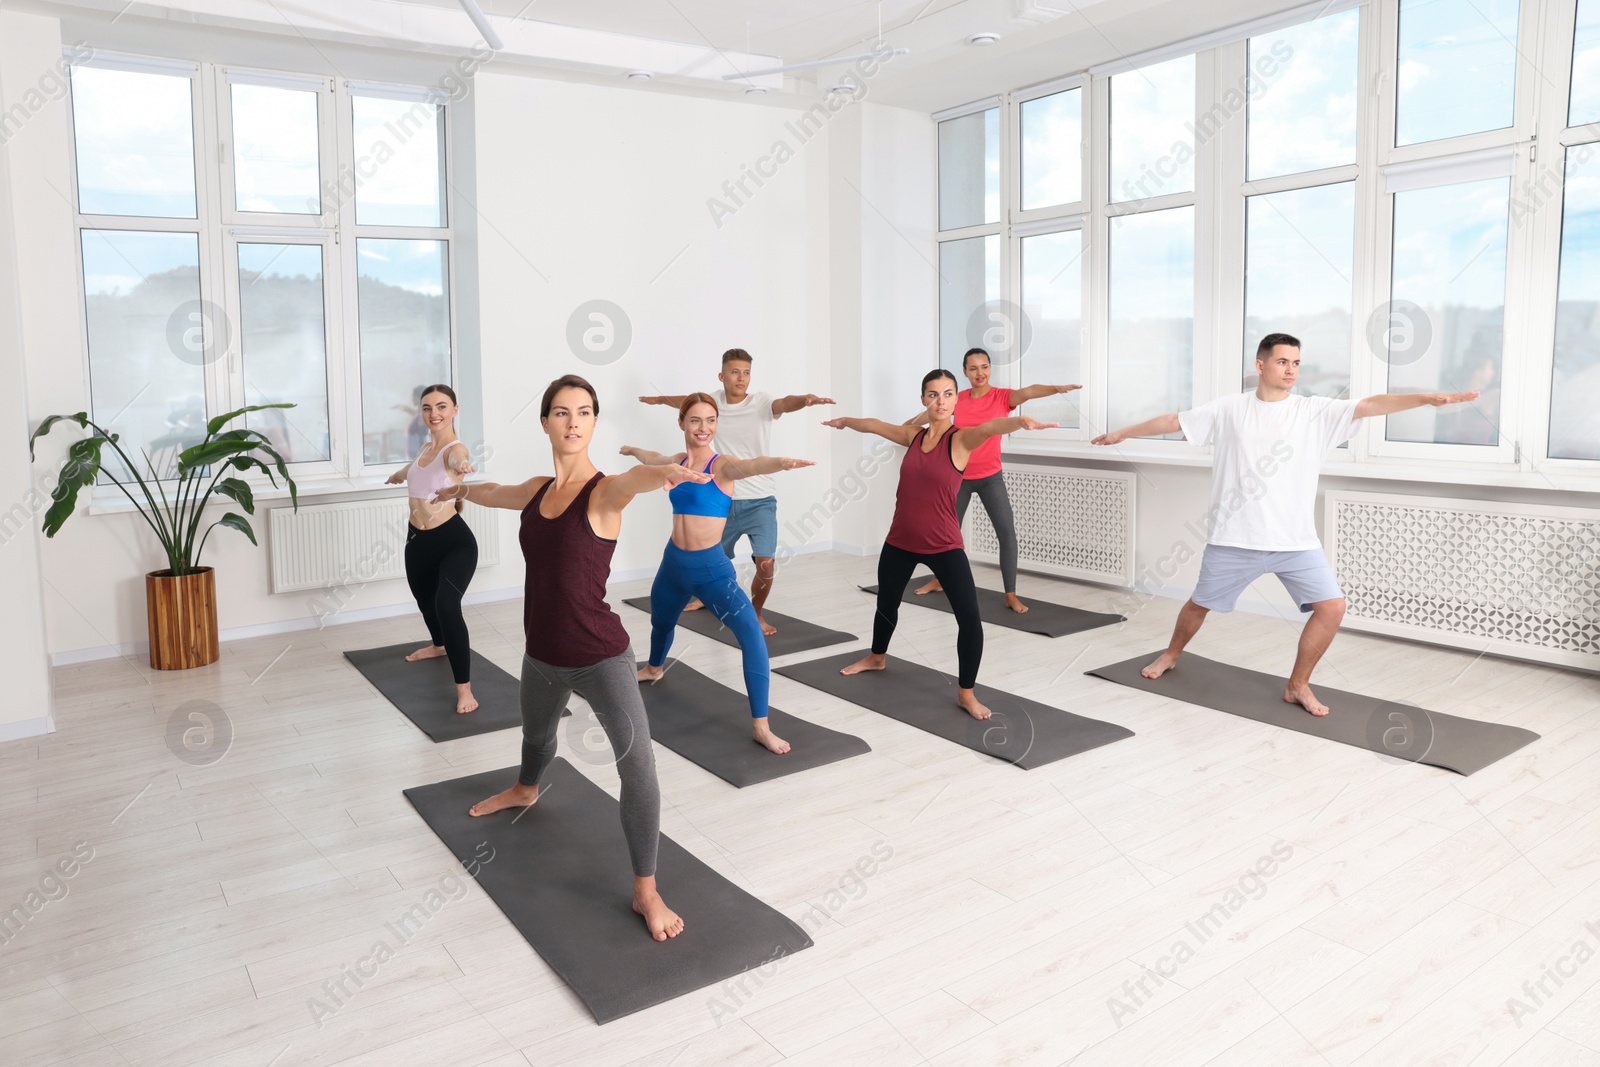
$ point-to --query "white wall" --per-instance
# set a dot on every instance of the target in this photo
(25, 41)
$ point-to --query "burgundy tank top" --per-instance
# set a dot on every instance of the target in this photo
(565, 616)
(925, 502)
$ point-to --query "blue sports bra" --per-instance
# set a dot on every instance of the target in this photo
(700, 498)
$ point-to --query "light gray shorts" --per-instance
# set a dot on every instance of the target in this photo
(1226, 571)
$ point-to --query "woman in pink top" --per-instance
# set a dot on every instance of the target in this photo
(974, 407)
(925, 528)
(441, 553)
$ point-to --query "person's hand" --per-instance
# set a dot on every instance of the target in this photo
(1035, 424)
(628, 450)
(465, 468)
(1067, 388)
(812, 400)
(1113, 438)
(449, 493)
(675, 475)
(397, 478)
(795, 464)
(837, 424)
(1441, 399)
(649, 400)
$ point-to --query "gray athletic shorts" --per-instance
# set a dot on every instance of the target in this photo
(1225, 572)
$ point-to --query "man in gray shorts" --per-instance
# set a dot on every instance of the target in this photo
(1269, 448)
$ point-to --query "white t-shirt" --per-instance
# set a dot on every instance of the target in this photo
(1265, 468)
(744, 431)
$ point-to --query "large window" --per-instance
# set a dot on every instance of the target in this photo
(320, 276)
(1152, 130)
(1052, 300)
(1457, 68)
(1151, 330)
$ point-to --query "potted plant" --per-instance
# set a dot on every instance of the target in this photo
(181, 600)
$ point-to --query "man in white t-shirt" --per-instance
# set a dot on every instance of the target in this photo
(1269, 447)
(744, 429)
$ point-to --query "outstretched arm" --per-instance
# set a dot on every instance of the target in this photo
(665, 401)
(653, 459)
(734, 469)
(1389, 403)
(900, 435)
(1034, 392)
(459, 459)
(614, 493)
(1161, 424)
(921, 418)
(973, 436)
(399, 476)
(491, 495)
(785, 404)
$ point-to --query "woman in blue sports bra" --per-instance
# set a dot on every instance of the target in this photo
(694, 563)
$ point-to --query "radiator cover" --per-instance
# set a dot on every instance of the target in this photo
(1075, 522)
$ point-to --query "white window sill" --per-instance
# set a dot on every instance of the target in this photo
(1549, 478)
(108, 500)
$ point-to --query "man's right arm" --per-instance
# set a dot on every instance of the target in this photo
(664, 401)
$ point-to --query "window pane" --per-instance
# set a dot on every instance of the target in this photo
(969, 277)
(275, 150)
(1303, 113)
(1151, 367)
(135, 142)
(149, 341)
(1447, 309)
(1052, 298)
(399, 162)
(285, 348)
(1299, 261)
(1585, 104)
(403, 292)
(1052, 150)
(1152, 130)
(1457, 68)
(969, 170)
(1574, 415)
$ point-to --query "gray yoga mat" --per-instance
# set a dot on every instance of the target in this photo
(425, 691)
(708, 724)
(1393, 729)
(794, 635)
(1020, 731)
(1043, 617)
(560, 872)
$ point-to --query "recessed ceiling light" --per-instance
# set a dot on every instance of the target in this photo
(842, 89)
(755, 90)
(638, 75)
(983, 38)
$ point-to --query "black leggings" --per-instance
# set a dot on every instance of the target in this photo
(439, 566)
(955, 574)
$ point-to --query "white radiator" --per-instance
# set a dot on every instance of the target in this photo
(1073, 521)
(1519, 580)
(352, 542)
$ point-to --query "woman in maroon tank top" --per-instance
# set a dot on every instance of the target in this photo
(926, 529)
(575, 642)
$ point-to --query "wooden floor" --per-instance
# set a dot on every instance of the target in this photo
(1040, 917)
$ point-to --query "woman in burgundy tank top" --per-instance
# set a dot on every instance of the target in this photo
(926, 528)
(575, 642)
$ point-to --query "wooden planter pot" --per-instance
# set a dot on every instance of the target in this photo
(182, 614)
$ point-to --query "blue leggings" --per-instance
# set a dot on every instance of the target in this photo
(709, 575)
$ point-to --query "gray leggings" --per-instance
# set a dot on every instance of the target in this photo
(612, 689)
(997, 502)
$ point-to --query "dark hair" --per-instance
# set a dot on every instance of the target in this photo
(567, 381)
(441, 388)
(691, 400)
(974, 352)
(936, 374)
(1273, 340)
(733, 354)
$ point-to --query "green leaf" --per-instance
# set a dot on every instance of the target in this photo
(234, 521)
(207, 452)
(79, 472)
(222, 420)
(238, 489)
(81, 418)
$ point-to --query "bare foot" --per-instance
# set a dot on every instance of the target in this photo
(648, 673)
(426, 652)
(872, 662)
(1303, 696)
(766, 627)
(765, 736)
(1016, 605)
(930, 586)
(1163, 663)
(518, 796)
(465, 701)
(661, 920)
(969, 704)
(693, 604)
